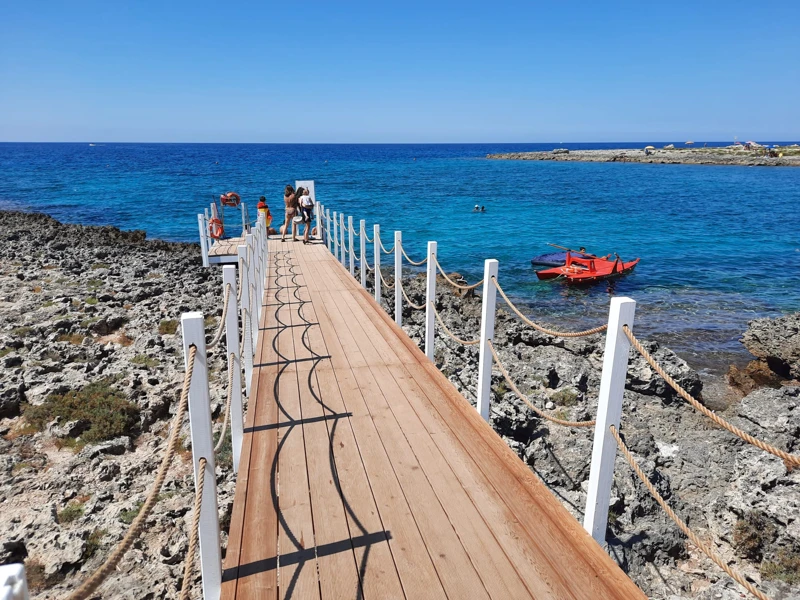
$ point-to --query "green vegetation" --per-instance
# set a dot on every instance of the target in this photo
(47, 303)
(145, 361)
(210, 321)
(75, 339)
(74, 444)
(94, 284)
(93, 543)
(168, 327)
(127, 516)
(565, 397)
(69, 513)
(99, 265)
(22, 331)
(91, 300)
(225, 452)
(21, 466)
(5, 352)
(86, 322)
(751, 535)
(107, 411)
(784, 567)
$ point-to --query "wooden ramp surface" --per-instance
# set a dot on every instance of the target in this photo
(365, 474)
(226, 247)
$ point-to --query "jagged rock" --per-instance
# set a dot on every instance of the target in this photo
(777, 341)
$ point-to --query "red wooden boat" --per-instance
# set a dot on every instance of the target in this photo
(586, 270)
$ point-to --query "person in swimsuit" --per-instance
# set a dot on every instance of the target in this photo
(290, 203)
(307, 211)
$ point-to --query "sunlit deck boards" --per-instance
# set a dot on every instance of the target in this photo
(365, 474)
(224, 251)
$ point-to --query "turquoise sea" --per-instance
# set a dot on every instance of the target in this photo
(719, 245)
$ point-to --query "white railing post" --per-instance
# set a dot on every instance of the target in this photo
(342, 247)
(253, 288)
(609, 411)
(244, 219)
(350, 233)
(13, 583)
(363, 261)
(398, 277)
(245, 311)
(194, 334)
(328, 231)
(376, 238)
(487, 333)
(335, 236)
(232, 347)
(203, 241)
(430, 299)
(319, 213)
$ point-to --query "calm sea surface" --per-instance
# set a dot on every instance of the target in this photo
(719, 245)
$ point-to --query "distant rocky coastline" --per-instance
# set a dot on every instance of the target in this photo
(91, 313)
(730, 155)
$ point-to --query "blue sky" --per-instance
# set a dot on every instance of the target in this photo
(398, 72)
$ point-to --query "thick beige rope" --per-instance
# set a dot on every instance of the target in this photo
(366, 237)
(383, 248)
(410, 303)
(228, 403)
(391, 287)
(97, 578)
(450, 333)
(416, 264)
(239, 285)
(525, 399)
(453, 283)
(221, 328)
(789, 459)
(679, 522)
(566, 334)
(195, 532)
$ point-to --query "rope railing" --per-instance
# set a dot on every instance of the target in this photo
(368, 239)
(450, 333)
(679, 522)
(453, 283)
(566, 334)
(231, 358)
(408, 300)
(408, 258)
(98, 577)
(195, 533)
(789, 459)
(383, 248)
(221, 328)
(386, 283)
(527, 401)
(239, 285)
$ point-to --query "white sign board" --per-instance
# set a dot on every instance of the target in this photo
(309, 185)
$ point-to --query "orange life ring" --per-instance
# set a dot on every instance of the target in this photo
(215, 228)
(230, 199)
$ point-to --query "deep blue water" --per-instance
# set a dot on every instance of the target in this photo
(719, 245)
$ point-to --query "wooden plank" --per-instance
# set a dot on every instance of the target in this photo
(490, 561)
(253, 530)
(456, 572)
(298, 575)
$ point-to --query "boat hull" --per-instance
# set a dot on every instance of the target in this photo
(588, 271)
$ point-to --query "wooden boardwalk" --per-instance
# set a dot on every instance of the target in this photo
(365, 474)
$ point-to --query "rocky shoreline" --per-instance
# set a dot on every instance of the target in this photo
(91, 312)
(731, 155)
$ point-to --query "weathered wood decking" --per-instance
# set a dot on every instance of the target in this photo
(365, 474)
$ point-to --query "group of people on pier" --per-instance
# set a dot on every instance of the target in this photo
(299, 211)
